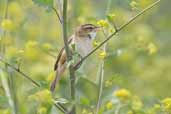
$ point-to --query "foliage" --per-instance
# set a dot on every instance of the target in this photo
(136, 63)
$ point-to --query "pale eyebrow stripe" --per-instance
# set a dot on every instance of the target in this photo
(88, 26)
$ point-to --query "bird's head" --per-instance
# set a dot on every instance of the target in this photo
(87, 31)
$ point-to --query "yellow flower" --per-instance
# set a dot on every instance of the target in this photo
(152, 49)
(85, 111)
(136, 103)
(16, 12)
(47, 46)
(42, 110)
(133, 5)
(108, 83)
(50, 77)
(43, 96)
(102, 55)
(7, 40)
(5, 111)
(167, 104)
(31, 50)
(81, 19)
(109, 105)
(31, 44)
(157, 107)
(95, 43)
(145, 3)
(122, 93)
(20, 51)
(12, 52)
(33, 31)
(7, 24)
(102, 23)
(130, 112)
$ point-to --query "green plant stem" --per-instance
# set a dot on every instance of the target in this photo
(59, 106)
(101, 77)
(20, 72)
(117, 31)
(59, 5)
(7, 81)
(118, 108)
(69, 56)
(59, 18)
(6, 87)
(12, 86)
(2, 46)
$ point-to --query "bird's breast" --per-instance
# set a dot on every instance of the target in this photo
(83, 46)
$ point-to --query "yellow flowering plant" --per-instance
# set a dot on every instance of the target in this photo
(102, 23)
(133, 5)
(122, 94)
(32, 36)
(7, 24)
(152, 48)
(43, 96)
(102, 54)
(166, 105)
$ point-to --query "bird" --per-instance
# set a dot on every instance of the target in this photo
(82, 40)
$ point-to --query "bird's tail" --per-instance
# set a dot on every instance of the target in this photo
(55, 81)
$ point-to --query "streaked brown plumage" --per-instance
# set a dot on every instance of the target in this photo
(82, 39)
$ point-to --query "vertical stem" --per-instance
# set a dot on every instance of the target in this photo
(2, 47)
(65, 38)
(108, 6)
(101, 78)
(69, 56)
(59, 4)
(6, 87)
(5, 80)
(72, 86)
(12, 86)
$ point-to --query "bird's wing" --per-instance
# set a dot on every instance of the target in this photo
(61, 55)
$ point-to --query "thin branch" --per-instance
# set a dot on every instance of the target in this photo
(12, 86)
(49, 53)
(57, 14)
(118, 30)
(7, 91)
(7, 85)
(34, 82)
(61, 108)
(20, 72)
(69, 55)
(101, 77)
(59, 5)
(2, 46)
(65, 37)
(100, 88)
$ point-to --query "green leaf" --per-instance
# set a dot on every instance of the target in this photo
(87, 90)
(44, 3)
(84, 101)
(3, 100)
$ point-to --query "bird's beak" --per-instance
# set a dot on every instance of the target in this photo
(98, 28)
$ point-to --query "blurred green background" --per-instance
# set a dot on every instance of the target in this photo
(138, 58)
